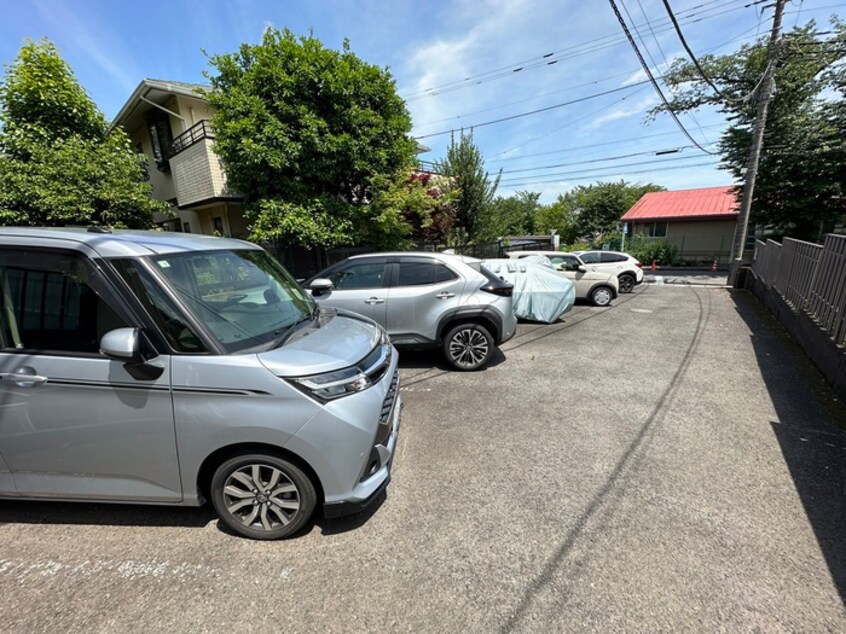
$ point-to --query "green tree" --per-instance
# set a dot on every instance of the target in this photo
(509, 216)
(309, 135)
(59, 163)
(464, 165)
(597, 208)
(559, 217)
(800, 188)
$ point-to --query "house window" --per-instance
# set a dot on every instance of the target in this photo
(186, 227)
(161, 138)
(217, 221)
(657, 230)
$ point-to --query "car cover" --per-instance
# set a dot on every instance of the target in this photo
(540, 294)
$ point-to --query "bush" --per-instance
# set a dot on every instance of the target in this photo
(648, 250)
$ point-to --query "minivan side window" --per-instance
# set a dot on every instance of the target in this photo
(49, 303)
(160, 307)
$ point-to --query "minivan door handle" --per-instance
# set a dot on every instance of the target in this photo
(444, 295)
(374, 300)
(22, 379)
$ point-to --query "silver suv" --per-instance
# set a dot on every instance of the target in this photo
(425, 300)
(167, 368)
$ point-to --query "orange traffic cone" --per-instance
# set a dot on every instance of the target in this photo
(654, 268)
(714, 267)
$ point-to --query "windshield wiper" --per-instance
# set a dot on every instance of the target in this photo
(282, 335)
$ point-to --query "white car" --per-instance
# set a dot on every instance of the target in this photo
(597, 286)
(626, 268)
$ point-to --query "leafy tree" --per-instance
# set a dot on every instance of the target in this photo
(800, 188)
(474, 192)
(309, 135)
(509, 216)
(560, 217)
(59, 163)
(598, 208)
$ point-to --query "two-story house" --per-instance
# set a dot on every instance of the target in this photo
(169, 122)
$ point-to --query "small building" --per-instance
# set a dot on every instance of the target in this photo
(169, 122)
(699, 222)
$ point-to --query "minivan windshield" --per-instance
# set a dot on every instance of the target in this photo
(244, 297)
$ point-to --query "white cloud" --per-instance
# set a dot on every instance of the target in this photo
(624, 112)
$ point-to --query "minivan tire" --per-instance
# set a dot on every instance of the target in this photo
(601, 296)
(468, 346)
(262, 496)
(627, 283)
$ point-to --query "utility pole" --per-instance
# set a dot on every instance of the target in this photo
(755, 151)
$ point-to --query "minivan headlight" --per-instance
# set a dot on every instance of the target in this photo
(335, 384)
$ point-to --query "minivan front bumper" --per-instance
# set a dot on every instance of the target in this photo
(350, 444)
(353, 506)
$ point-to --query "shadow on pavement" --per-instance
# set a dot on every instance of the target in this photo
(813, 447)
(76, 513)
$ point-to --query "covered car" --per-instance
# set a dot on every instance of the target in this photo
(540, 294)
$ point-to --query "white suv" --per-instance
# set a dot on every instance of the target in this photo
(628, 269)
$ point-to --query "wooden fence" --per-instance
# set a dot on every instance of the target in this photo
(810, 277)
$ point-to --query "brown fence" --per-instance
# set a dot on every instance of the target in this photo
(811, 278)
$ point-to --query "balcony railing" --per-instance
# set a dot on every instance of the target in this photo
(194, 134)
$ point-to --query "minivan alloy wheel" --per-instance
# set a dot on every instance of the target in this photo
(262, 496)
(468, 346)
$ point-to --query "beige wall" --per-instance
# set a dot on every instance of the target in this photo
(161, 182)
(198, 174)
(699, 240)
(201, 220)
(193, 110)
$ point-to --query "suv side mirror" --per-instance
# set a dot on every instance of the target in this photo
(321, 285)
(582, 268)
(122, 344)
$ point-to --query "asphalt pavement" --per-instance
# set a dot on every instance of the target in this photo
(671, 463)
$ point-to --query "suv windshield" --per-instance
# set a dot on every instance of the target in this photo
(245, 298)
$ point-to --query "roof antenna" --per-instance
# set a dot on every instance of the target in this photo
(93, 229)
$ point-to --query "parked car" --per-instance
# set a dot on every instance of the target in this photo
(627, 268)
(597, 287)
(540, 292)
(167, 368)
(425, 300)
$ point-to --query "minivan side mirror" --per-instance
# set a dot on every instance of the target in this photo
(321, 285)
(122, 344)
(125, 344)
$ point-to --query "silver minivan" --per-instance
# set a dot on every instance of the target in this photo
(166, 368)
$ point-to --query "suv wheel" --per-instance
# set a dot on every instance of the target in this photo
(262, 496)
(627, 283)
(468, 346)
(601, 296)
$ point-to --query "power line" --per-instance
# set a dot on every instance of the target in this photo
(548, 59)
(539, 110)
(690, 52)
(600, 160)
(593, 145)
(652, 77)
(613, 175)
(594, 170)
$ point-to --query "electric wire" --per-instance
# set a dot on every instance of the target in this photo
(652, 78)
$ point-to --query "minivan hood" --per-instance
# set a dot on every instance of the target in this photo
(340, 340)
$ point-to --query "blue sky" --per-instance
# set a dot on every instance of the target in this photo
(455, 63)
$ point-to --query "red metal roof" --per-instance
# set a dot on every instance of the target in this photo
(706, 203)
